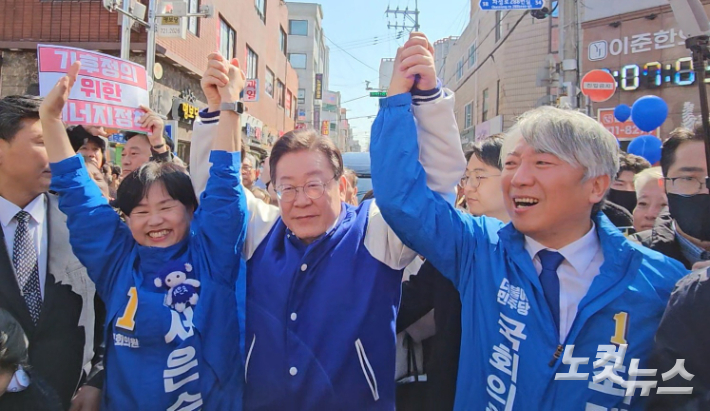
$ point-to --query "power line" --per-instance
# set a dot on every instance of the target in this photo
(493, 51)
(495, 27)
(361, 97)
(376, 42)
(367, 40)
(355, 58)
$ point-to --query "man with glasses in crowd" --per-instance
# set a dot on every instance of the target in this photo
(324, 277)
(685, 235)
(249, 171)
(684, 232)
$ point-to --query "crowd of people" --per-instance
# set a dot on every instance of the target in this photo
(542, 270)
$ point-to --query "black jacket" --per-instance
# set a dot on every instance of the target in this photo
(428, 290)
(684, 334)
(39, 396)
(617, 214)
(661, 238)
(62, 344)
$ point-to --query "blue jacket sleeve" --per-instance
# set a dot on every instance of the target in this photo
(221, 218)
(99, 239)
(422, 219)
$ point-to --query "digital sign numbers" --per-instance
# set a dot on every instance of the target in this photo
(655, 74)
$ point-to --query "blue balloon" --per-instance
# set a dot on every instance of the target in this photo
(648, 147)
(649, 112)
(622, 112)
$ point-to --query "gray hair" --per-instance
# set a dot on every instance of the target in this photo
(647, 175)
(251, 159)
(570, 135)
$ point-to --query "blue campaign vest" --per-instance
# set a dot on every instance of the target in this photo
(321, 321)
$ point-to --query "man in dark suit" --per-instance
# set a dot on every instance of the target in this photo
(42, 284)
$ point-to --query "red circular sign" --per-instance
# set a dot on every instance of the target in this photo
(598, 85)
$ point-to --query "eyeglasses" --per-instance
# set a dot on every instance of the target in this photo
(313, 190)
(686, 186)
(246, 167)
(475, 180)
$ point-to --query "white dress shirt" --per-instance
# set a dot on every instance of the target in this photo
(37, 210)
(583, 258)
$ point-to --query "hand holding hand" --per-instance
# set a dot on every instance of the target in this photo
(415, 58)
(230, 92)
(215, 76)
(53, 104)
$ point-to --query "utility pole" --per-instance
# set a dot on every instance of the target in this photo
(569, 50)
(126, 24)
(123, 7)
(408, 22)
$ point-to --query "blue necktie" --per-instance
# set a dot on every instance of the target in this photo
(550, 260)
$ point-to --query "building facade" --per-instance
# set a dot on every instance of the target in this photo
(254, 31)
(442, 48)
(346, 132)
(493, 67)
(643, 47)
(309, 56)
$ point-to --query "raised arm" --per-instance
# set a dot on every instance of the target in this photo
(421, 218)
(439, 148)
(102, 252)
(221, 217)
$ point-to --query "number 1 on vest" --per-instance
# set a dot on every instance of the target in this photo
(622, 324)
(126, 321)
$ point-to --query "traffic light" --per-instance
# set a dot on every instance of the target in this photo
(378, 94)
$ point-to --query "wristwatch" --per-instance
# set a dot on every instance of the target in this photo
(237, 107)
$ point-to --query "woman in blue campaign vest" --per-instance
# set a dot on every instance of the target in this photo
(166, 275)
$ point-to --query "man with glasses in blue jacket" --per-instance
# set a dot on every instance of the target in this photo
(548, 294)
(324, 277)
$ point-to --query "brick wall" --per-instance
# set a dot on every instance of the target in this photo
(58, 21)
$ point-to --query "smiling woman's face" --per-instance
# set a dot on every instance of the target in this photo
(159, 220)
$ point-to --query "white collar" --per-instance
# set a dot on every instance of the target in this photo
(37, 208)
(579, 254)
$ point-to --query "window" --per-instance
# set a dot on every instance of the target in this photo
(333, 126)
(252, 63)
(298, 27)
(499, 25)
(485, 106)
(227, 40)
(283, 41)
(301, 96)
(472, 55)
(459, 70)
(468, 120)
(261, 9)
(269, 83)
(298, 60)
(280, 93)
(193, 6)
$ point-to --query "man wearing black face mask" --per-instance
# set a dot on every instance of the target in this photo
(683, 332)
(684, 234)
(622, 192)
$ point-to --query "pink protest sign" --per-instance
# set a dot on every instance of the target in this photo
(108, 90)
